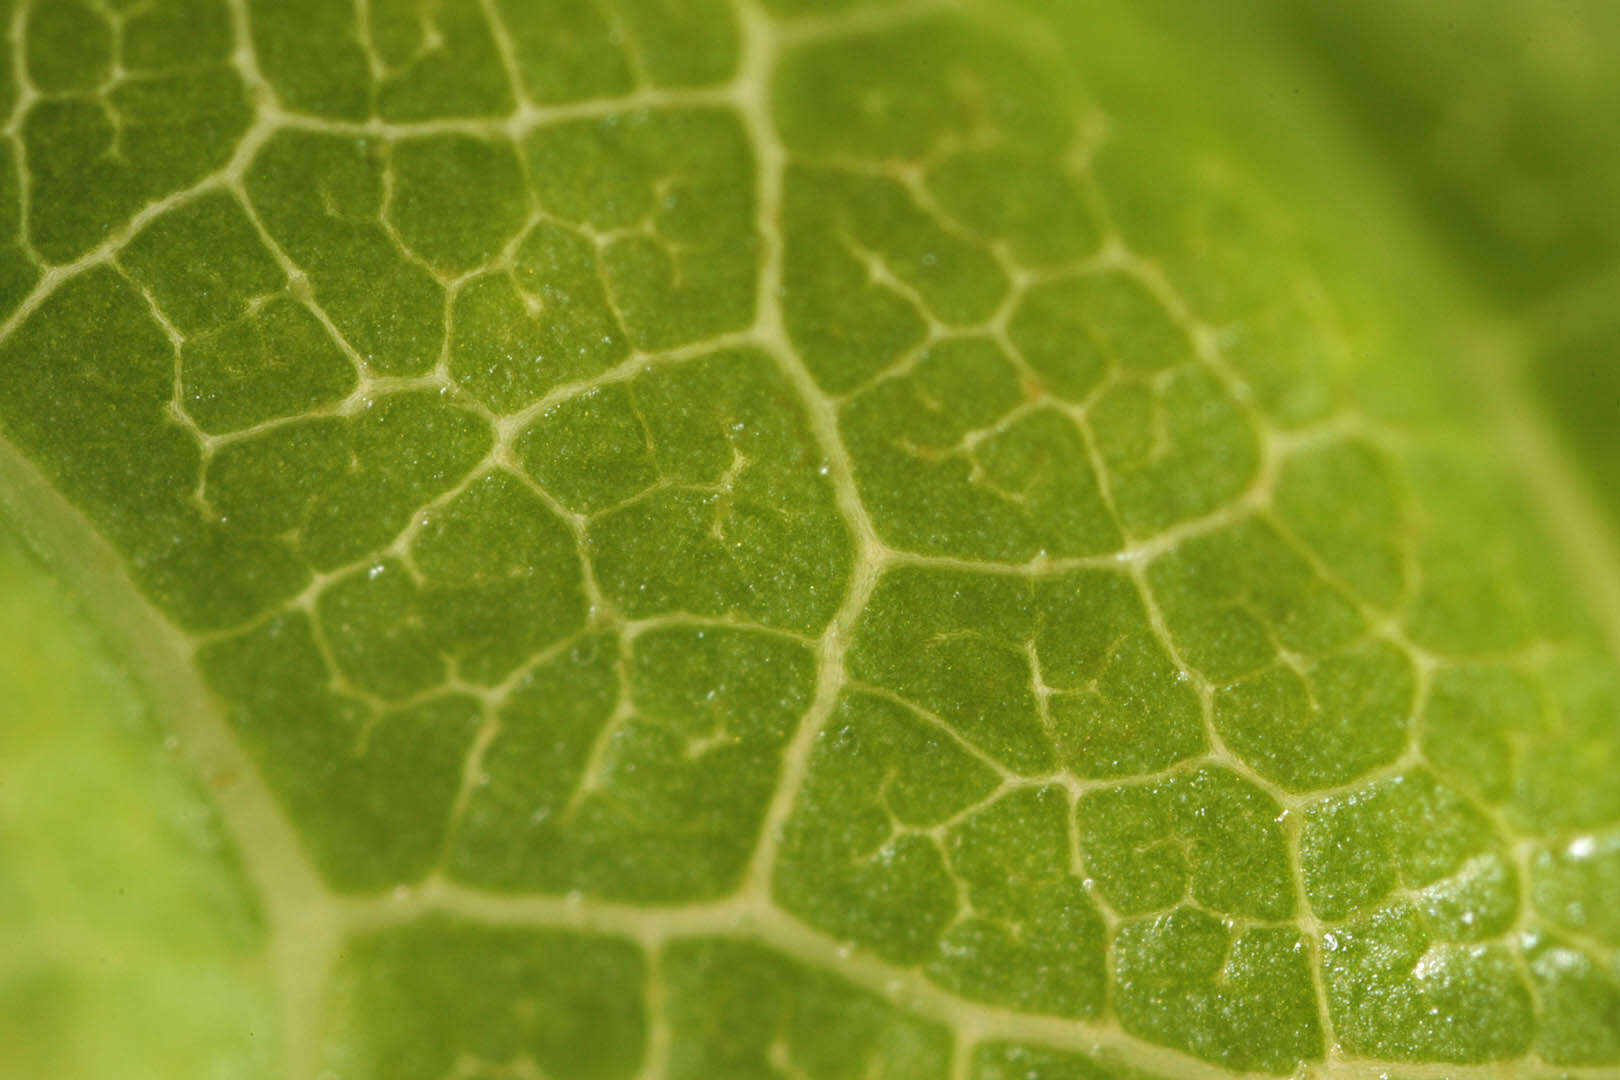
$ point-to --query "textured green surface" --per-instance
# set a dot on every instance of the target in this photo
(802, 539)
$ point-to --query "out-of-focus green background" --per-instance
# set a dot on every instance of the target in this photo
(133, 947)
(1493, 125)
(1502, 119)
(1488, 130)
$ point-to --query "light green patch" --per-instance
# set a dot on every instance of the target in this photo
(69, 47)
(1116, 315)
(690, 44)
(880, 224)
(1298, 697)
(1117, 703)
(815, 540)
(1234, 260)
(172, 35)
(266, 484)
(1323, 722)
(847, 322)
(956, 644)
(370, 622)
(104, 837)
(911, 91)
(313, 57)
(1473, 597)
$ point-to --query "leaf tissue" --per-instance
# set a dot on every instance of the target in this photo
(825, 539)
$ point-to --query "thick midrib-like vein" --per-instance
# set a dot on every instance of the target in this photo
(303, 932)
(752, 101)
(308, 922)
(745, 916)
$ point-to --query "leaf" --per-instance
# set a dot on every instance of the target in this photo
(810, 539)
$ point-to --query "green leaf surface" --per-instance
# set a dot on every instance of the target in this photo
(807, 539)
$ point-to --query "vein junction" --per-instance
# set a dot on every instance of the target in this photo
(716, 530)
